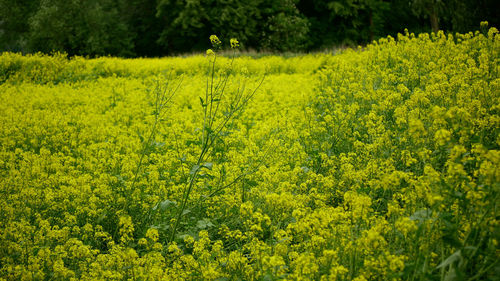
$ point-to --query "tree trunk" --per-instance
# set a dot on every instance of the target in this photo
(371, 25)
(434, 21)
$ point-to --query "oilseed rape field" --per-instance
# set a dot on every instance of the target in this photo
(376, 163)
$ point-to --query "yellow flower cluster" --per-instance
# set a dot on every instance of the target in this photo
(381, 163)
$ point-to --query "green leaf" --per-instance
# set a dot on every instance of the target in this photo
(194, 169)
(166, 204)
(451, 275)
(267, 277)
(204, 223)
(101, 218)
(161, 227)
(457, 256)
(422, 215)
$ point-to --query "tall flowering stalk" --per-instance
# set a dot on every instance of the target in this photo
(213, 122)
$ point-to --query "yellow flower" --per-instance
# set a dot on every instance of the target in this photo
(234, 43)
(215, 40)
(152, 234)
(442, 136)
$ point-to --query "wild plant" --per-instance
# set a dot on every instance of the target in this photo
(219, 109)
(163, 92)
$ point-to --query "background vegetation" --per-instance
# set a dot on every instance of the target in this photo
(165, 27)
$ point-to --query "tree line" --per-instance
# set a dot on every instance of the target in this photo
(148, 28)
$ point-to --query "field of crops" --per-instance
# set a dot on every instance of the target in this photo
(379, 163)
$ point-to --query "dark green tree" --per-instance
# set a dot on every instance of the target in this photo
(360, 19)
(161, 27)
(257, 24)
(465, 15)
(400, 16)
(14, 25)
(286, 28)
(345, 21)
(144, 27)
(184, 23)
(431, 9)
(80, 27)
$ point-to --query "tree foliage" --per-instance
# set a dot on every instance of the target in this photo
(14, 24)
(165, 27)
(83, 27)
(276, 25)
